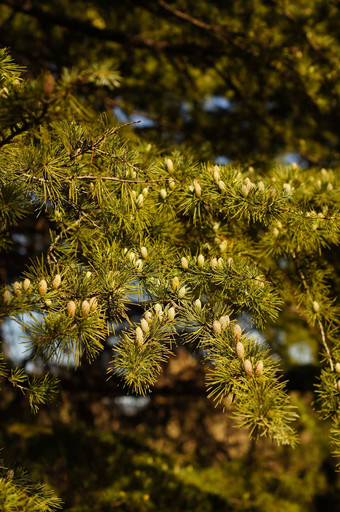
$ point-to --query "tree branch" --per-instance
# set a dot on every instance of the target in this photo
(322, 330)
(191, 19)
(57, 238)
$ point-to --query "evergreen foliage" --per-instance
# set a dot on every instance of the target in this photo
(192, 244)
(17, 492)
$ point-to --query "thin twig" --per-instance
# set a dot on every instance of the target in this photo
(94, 145)
(91, 220)
(123, 180)
(93, 176)
(56, 240)
(322, 330)
(190, 19)
(120, 159)
(175, 305)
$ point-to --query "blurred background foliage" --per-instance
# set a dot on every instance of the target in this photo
(247, 81)
(253, 82)
(172, 451)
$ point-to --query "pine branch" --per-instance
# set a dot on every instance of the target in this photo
(311, 298)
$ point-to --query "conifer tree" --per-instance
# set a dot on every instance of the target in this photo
(199, 244)
(193, 243)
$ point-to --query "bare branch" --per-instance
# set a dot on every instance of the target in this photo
(190, 19)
